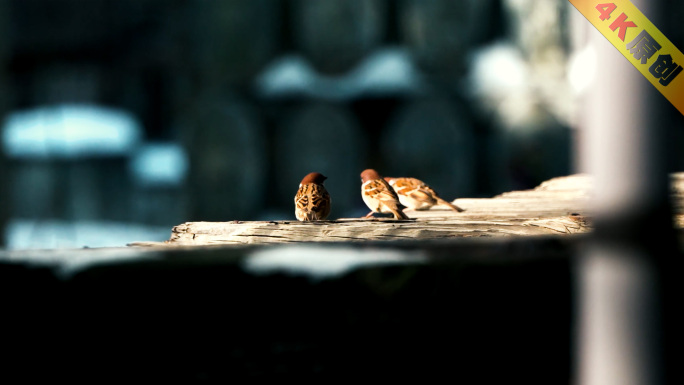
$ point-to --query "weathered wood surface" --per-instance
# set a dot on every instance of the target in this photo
(558, 206)
(544, 210)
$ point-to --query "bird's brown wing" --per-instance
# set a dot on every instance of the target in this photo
(381, 190)
(414, 188)
(320, 201)
(312, 202)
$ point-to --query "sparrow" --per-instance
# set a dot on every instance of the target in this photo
(312, 201)
(379, 196)
(416, 195)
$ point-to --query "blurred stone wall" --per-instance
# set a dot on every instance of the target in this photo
(470, 96)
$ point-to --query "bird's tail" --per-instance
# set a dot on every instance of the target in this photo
(450, 205)
(398, 214)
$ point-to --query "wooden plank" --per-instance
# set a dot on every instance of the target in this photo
(208, 233)
(545, 210)
(559, 206)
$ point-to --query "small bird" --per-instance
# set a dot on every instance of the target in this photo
(379, 196)
(416, 195)
(312, 201)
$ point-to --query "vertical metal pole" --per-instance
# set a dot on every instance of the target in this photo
(620, 274)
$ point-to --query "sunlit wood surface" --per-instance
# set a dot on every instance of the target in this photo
(558, 206)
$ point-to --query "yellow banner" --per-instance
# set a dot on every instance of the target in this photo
(640, 42)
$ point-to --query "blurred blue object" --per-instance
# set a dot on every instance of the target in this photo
(159, 164)
(304, 260)
(70, 131)
(64, 234)
(388, 71)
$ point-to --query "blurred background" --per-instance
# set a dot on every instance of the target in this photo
(123, 118)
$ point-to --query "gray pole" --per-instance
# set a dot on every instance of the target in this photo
(621, 273)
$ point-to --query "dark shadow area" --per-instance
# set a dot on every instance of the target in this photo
(180, 319)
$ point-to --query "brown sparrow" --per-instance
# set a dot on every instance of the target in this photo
(379, 196)
(312, 201)
(416, 195)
